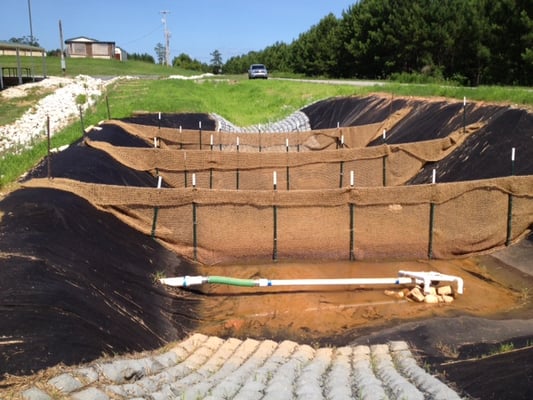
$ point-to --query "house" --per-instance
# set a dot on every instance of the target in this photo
(12, 49)
(121, 54)
(84, 47)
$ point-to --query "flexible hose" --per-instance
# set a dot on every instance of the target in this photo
(231, 281)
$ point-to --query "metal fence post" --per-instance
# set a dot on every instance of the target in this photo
(275, 216)
(431, 223)
(509, 220)
(352, 232)
(194, 232)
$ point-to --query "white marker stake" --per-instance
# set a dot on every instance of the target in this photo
(193, 180)
(238, 143)
(352, 178)
(155, 142)
(211, 140)
(512, 154)
(384, 134)
(180, 128)
(275, 179)
(287, 144)
(159, 181)
(464, 101)
(434, 179)
(200, 124)
(159, 116)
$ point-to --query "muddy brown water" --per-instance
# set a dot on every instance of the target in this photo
(312, 313)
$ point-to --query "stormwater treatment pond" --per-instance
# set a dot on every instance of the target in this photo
(327, 313)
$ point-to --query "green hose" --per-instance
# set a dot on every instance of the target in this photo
(231, 281)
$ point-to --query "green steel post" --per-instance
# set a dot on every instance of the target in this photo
(200, 134)
(464, 114)
(275, 249)
(352, 232)
(107, 105)
(154, 222)
(509, 220)
(81, 120)
(431, 223)
(341, 174)
(194, 233)
(385, 170)
(48, 158)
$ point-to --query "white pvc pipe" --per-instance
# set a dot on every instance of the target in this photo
(512, 154)
(159, 181)
(427, 277)
(404, 278)
(184, 281)
(334, 281)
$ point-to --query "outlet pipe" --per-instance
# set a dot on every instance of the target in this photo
(404, 278)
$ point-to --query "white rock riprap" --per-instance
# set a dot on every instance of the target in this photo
(211, 368)
(62, 106)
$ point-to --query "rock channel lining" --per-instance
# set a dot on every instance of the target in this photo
(209, 367)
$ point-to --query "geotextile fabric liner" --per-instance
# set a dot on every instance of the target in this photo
(217, 226)
(352, 136)
(357, 136)
(327, 169)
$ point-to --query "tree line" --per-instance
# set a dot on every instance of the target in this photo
(470, 42)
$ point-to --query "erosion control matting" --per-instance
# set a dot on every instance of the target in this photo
(77, 284)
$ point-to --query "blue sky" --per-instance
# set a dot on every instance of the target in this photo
(197, 27)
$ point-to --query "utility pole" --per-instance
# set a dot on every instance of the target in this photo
(31, 39)
(63, 63)
(31, 25)
(167, 37)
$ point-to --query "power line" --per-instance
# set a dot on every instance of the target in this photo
(142, 37)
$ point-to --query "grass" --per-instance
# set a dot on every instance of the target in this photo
(497, 94)
(93, 67)
(241, 101)
(503, 348)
